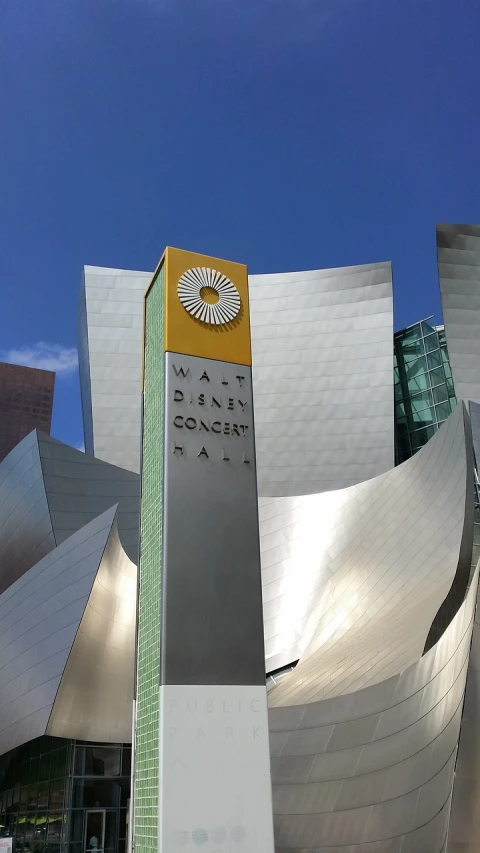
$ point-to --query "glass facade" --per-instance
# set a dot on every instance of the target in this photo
(61, 796)
(424, 392)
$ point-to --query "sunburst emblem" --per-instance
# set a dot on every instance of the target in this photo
(209, 296)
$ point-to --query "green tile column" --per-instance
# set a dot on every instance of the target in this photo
(145, 828)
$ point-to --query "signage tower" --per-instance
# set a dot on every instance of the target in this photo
(202, 767)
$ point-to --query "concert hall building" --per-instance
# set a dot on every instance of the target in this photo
(365, 445)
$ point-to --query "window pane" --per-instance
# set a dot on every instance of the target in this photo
(413, 368)
(440, 394)
(420, 419)
(57, 793)
(55, 826)
(428, 329)
(437, 377)
(446, 365)
(90, 793)
(434, 359)
(126, 761)
(413, 350)
(421, 436)
(421, 401)
(59, 762)
(97, 761)
(443, 411)
(418, 383)
(431, 343)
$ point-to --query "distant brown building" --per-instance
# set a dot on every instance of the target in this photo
(26, 401)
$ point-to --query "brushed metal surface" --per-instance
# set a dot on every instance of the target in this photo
(26, 533)
(39, 618)
(464, 827)
(458, 248)
(48, 491)
(322, 373)
(212, 627)
(322, 377)
(79, 487)
(375, 767)
(110, 361)
(353, 579)
(95, 695)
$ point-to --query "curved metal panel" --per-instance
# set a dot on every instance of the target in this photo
(39, 618)
(110, 357)
(322, 355)
(26, 532)
(474, 411)
(48, 491)
(352, 580)
(458, 248)
(322, 373)
(95, 696)
(373, 770)
(464, 830)
(80, 487)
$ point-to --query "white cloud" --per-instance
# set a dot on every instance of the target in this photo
(62, 360)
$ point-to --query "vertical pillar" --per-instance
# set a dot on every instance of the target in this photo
(202, 768)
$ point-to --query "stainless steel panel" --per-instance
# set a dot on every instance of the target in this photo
(458, 249)
(110, 327)
(322, 335)
(339, 567)
(393, 743)
(39, 618)
(210, 527)
(95, 703)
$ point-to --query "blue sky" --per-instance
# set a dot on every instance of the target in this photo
(286, 134)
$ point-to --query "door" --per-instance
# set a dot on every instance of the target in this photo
(94, 831)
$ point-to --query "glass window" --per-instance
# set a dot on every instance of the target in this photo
(421, 401)
(97, 761)
(92, 793)
(58, 766)
(440, 394)
(110, 831)
(427, 328)
(44, 767)
(414, 368)
(431, 343)
(418, 383)
(413, 350)
(42, 795)
(421, 419)
(76, 825)
(55, 824)
(126, 761)
(437, 376)
(420, 437)
(434, 359)
(443, 411)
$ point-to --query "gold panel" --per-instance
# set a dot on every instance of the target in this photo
(187, 335)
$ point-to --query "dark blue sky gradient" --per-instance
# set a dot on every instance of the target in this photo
(285, 134)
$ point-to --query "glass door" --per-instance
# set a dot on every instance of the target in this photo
(94, 831)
